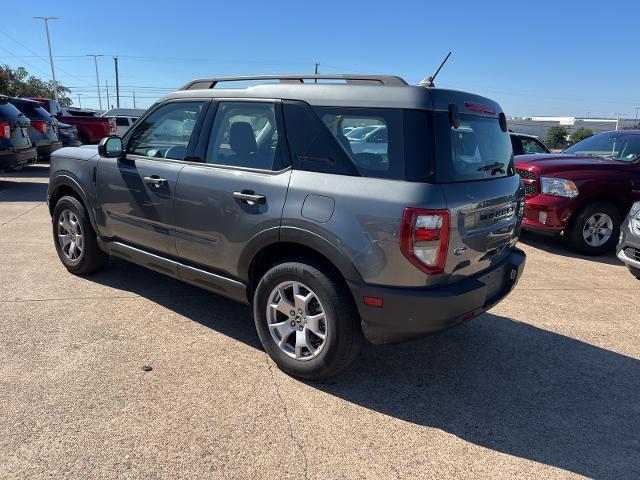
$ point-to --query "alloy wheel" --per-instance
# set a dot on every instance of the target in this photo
(297, 320)
(598, 229)
(70, 237)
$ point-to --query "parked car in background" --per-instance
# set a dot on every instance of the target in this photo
(16, 146)
(628, 248)
(68, 135)
(527, 144)
(371, 139)
(43, 129)
(125, 117)
(91, 129)
(257, 194)
(585, 191)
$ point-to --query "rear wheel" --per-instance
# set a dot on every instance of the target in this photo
(595, 228)
(306, 321)
(75, 239)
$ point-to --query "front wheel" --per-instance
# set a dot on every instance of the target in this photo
(634, 271)
(595, 228)
(75, 239)
(306, 321)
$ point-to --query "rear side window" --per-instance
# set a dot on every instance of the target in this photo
(371, 138)
(122, 121)
(478, 149)
(246, 134)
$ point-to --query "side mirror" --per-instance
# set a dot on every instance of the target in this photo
(111, 147)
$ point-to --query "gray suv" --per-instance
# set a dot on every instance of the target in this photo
(257, 193)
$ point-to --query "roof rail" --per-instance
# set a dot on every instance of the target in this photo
(389, 80)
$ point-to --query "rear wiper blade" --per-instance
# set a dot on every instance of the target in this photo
(494, 167)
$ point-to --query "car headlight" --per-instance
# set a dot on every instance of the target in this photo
(558, 187)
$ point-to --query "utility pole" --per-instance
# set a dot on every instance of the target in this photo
(53, 73)
(134, 99)
(317, 70)
(95, 61)
(106, 86)
(635, 122)
(115, 60)
(79, 101)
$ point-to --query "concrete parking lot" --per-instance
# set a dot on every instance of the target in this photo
(545, 385)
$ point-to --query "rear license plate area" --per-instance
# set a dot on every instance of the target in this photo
(495, 281)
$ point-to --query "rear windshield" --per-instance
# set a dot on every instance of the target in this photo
(8, 111)
(478, 149)
(32, 110)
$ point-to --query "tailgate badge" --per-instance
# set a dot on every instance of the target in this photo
(459, 250)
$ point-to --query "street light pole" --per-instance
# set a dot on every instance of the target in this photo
(53, 73)
(95, 61)
(79, 101)
(635, 122)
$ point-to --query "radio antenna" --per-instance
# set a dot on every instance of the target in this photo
(428, 82)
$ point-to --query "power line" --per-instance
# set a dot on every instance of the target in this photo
(35, 54)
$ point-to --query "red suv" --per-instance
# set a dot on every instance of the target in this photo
(585, 191)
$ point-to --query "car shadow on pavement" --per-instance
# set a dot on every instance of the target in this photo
(495, 382)
(218, 313)
(555, 245)
(513, 388)
(11, 191)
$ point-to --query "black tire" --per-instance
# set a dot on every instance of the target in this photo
(343, 338)
(92, 258)
(577, 224)
(634, 271)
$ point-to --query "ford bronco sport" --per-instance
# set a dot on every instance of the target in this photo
(257, 194)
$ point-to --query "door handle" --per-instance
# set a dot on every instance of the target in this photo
(155, 180)
(250, 197)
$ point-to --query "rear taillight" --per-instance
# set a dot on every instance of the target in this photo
(424, 236)
(5, 130)
(39, 126)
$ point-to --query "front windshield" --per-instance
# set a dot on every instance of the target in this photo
(613, 145)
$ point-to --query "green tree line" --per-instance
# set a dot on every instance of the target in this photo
(18, 83)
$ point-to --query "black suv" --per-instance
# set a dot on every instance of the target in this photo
(44, 127)
(259, 194)
(16, 147)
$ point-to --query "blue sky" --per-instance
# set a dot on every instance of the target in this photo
(535, 58)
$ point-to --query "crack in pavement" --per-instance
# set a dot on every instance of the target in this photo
(286, 415)
(22, 214)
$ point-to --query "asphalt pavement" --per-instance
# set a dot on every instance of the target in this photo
(545, 385)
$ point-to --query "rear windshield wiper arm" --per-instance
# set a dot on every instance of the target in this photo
(494, 167)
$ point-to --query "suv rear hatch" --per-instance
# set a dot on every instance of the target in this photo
(483, 194)
(14, 128)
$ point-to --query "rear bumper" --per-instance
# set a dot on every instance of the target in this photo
(47, 149)
(548, 213)
(409, 313)
(17, 159)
